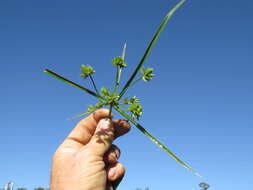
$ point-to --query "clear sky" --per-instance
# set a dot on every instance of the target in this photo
(199, 104)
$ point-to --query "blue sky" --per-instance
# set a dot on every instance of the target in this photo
(199, 103)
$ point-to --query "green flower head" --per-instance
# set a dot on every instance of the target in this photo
(136, 110)
(134, 100)
(147, 74)
(118, 61)
(86, 71)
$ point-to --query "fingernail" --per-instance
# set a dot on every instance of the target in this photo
(104, 124)
(114, 155)
(117, 153)
(112, 172)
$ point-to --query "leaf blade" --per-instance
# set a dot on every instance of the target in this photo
(156, 141)
(150, 46)
(71, 83)
(78, 115)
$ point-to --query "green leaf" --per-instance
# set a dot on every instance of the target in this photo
(102, 100)
(72, 83)
(150, 46)
(91, 108)
(86, 71)
(79, 115)
(118, 61)
(155, 140)
(99, 105)
(124, 52)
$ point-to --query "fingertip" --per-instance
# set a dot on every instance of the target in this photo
(102, 137)
(84, 130)
(115, 171)
(126, 125)
(121, 127)
(93, 119)
(112, 155)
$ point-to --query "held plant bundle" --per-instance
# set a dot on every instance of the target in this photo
(129, 108)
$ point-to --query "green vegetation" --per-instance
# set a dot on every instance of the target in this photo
(40, 188)
(128, 107)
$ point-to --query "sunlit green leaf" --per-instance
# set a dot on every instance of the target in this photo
(150, 46)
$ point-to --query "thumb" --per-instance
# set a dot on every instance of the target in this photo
(102, 138)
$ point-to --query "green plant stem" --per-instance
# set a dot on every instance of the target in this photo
(133, 83)
(118, 73)
(110, 110)
(149, 48)
(93, 83)
(155, 140)
(72, 83)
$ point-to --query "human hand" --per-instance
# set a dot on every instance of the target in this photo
(87, 159)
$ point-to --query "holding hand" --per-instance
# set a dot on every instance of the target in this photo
(87, 159)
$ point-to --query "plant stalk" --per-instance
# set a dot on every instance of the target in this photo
(116, 86)
(93, 83)
(118, 73)
(110, 110)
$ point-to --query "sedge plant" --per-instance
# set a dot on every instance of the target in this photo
(129, 107)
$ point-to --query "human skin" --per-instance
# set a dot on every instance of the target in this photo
(87, 159)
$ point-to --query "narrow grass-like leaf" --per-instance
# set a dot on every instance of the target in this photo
(124, 52)
(155, 140)
(71, 83)
(78, 115)
(150, 46)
